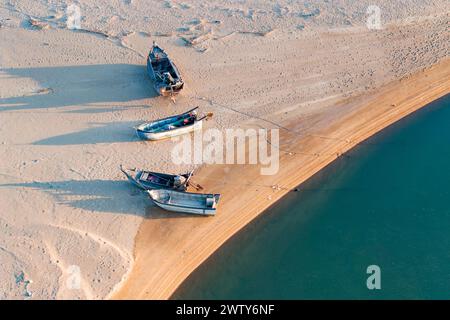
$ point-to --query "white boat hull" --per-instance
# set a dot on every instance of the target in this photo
(185, 202)
(203, 212)
(154, 136)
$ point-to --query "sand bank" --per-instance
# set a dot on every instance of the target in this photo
(69, 100)
(168, 250)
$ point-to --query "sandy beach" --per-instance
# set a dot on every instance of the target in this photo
(183, 245)
(69, 100)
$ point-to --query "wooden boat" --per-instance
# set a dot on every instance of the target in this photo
(171, 126)
(148, 180)
(185, 202)
(164, 73)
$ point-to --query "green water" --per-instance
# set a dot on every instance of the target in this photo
(386, 203)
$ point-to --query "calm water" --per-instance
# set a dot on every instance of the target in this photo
(387, 203)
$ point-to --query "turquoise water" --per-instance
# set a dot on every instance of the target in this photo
(386, 203)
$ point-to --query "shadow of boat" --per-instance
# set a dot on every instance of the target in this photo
(85, 85)
(114, 132)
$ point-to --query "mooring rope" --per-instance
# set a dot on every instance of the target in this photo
(298, 134)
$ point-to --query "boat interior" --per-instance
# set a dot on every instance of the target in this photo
(152, 178)
(162, 66)
(171, 124)
(187, 199)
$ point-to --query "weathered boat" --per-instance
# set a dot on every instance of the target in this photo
(164, 73)
(185, 202)
(171, 126)
(148, 180)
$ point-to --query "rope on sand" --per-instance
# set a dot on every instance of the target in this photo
(296, 133)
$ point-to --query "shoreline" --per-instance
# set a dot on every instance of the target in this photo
(168, 250)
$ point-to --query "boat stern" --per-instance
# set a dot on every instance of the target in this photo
(167, 91)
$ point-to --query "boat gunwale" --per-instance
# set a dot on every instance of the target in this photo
(138, 128)
(181, 206)
(157, 185)
(159, 85)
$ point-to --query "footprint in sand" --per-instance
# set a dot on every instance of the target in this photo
(280, 11)
(175, 5)
(197, 32)
(309, 14)
(56, 20)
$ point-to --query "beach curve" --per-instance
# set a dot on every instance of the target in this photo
(168, 251)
